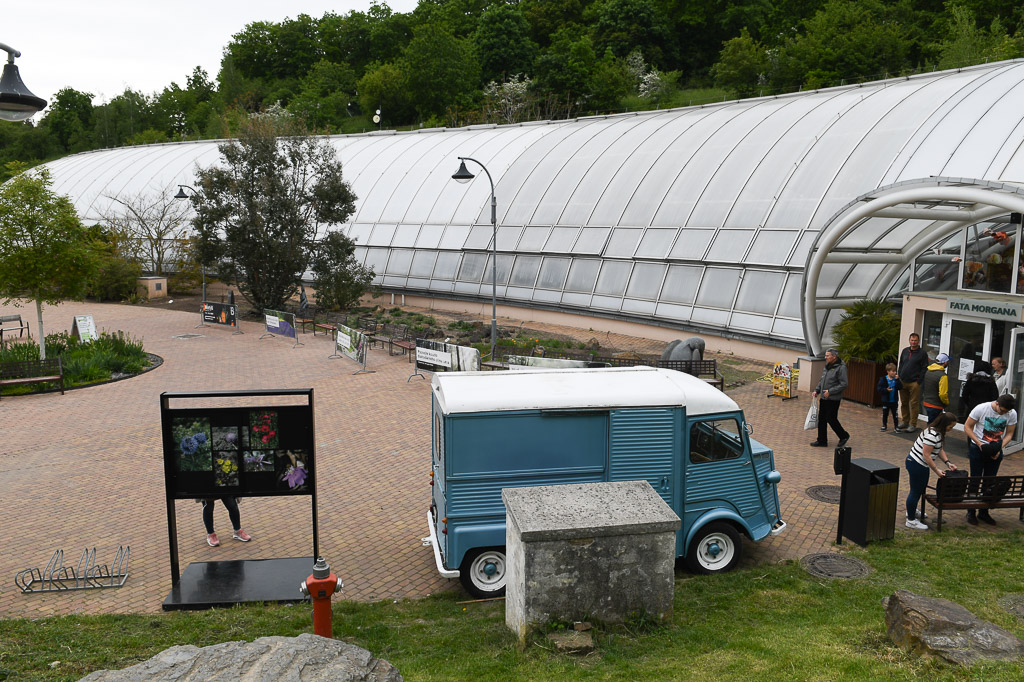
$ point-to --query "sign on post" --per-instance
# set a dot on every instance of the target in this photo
(280, 323)
(84, 328)
(438, 356)
(351, 343)
(225, 314)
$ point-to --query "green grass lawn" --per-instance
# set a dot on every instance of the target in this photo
(763, 623)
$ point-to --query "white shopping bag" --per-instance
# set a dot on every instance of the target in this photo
(811, 422)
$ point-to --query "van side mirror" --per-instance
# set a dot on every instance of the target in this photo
(749, 428)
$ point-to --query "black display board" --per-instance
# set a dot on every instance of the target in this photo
(220, 313)
(265, 447)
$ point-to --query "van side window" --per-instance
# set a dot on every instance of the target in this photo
(715, 440)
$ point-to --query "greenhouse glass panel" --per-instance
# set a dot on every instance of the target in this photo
(988, 257)
(771, 247)
(405, 236)
(757, 323)
(552, 273)
(759, 292)
(398, 263)
(681, 283)
(623, 242)
(803, 248)
(547, 295)
(381, 235)
(472, 267)
(360, 233)
(508, 237)
(691, 244)
(447, 264)
(633, 305)
(719, 318)
(561, 239)
(613, 277)
(582, 275)
(533, 238)
(479, 237)
(524, 272)
(868, 232)
(504, 268)
(831, 276)
(656, 243)
(676, 312)
(454, 237)
(791, 328)
(376, 260)
(858, 282)
(429, 237)
(730, 245)
(646, 280)
(592, 240)
(789, 306)
(423, 263)
(359, 254)
(718, 288)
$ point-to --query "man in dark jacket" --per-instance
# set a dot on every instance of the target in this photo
(831, 386)
(913, 365)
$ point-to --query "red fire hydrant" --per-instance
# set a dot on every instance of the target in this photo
(319, 587)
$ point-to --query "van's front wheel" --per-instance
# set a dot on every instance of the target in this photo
(715, 548)
(483, 572)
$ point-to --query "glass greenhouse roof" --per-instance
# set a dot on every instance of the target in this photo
(709, 218)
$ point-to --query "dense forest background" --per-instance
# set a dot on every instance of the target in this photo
(459, 62)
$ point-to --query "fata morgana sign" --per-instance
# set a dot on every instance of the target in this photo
(994, 310)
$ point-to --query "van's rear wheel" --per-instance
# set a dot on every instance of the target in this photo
(715, 548)
(483, 572)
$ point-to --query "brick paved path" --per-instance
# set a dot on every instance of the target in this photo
(85, 469)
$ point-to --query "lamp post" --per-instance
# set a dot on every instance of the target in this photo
(463, 175)
(181, 195)
(17, 103)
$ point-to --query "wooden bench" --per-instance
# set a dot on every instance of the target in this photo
(13, 323)
(396, 336)
(976, 492)
(702, 369)
(326, 322)
(16, 372)
(305, 317)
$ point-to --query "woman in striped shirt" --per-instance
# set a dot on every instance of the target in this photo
(922, 458)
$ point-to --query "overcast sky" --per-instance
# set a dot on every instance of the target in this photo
(103, 46)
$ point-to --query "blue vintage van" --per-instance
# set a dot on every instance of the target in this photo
(494, 430)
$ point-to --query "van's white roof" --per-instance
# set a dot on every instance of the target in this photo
(613, 387)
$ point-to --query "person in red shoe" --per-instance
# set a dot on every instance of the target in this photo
(236, 520)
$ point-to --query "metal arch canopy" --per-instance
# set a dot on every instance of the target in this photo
(942, 205)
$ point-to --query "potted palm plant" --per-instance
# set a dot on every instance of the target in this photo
(867, 337)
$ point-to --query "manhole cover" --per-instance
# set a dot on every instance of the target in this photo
(1014, 603)
(824, 493)
(188, 336)
(830, 565)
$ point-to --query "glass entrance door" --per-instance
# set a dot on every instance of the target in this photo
(1016, 372)
(966, 341)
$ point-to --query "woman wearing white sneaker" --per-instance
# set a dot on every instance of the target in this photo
(922, 459)
(236, 520)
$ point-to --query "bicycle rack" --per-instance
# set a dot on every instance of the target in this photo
(86, 575)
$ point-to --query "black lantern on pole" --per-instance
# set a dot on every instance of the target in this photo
(17, 102)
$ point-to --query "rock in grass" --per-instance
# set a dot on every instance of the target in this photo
(938, 627)
(309, 658)
(572, 642)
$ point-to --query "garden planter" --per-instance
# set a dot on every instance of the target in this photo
(864, 378)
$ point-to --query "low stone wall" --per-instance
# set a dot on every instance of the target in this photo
(593, 551)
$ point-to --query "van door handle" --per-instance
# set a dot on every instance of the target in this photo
(664, 482)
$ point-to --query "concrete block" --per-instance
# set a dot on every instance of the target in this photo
(588, 551)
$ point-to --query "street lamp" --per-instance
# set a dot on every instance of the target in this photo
(17, 103)
(463, 175)
(181, 195)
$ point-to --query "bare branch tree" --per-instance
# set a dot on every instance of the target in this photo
(151, 227)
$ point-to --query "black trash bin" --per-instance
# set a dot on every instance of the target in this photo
(869, 500)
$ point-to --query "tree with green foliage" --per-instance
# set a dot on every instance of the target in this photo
(967, 43)
(261, 211)
(69, 119)
(326, 92)
(383, 87)
(503, 43)
(624, 25)
(440, 70)
(46, 253)
(339, 280)
(742, 64)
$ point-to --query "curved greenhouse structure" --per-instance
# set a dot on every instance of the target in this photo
(752, 220)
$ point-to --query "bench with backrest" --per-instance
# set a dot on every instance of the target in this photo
(976, 492)
(396, 336)
(703, 369)
(12, 323)
(14, 372)
(305, 317)
(325, 321)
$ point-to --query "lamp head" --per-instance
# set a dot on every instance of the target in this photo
(463, 174)
(17, 103)
(181, 193)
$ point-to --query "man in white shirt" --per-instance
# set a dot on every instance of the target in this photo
(989, 428)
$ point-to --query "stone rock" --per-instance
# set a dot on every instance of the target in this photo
(938, 627)
(572, 642)
(690, 349)
(309, 658)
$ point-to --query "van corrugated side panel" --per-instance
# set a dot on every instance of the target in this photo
(644, 447)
